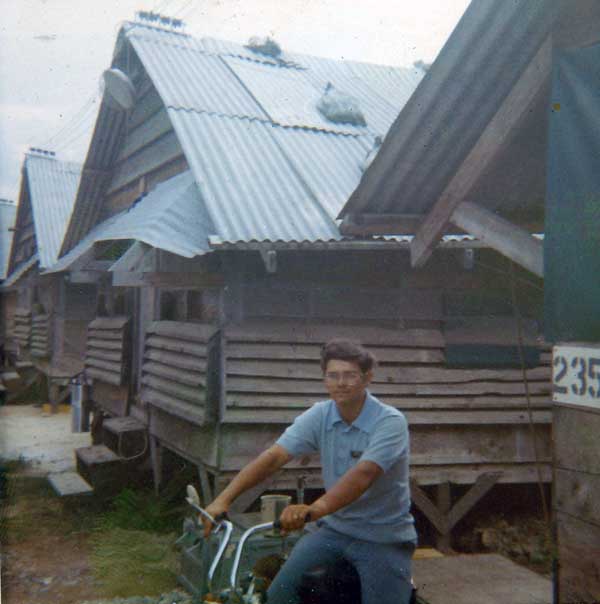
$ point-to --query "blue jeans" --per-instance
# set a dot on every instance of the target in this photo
(384, 568)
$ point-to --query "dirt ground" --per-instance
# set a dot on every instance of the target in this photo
(48, 570)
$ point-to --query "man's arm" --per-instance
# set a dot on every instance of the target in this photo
(347, 489)
(266, 464)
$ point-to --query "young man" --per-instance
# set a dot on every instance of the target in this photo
(364, 514)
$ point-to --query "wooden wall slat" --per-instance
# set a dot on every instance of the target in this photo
(176, 390)
(281, 385)
(152, 128)
(190, 378)
(106, 355)
(311, 352)
(195, 332)
(161, 151)
(103, 376)
(191, 413)
(113, 366)
(182, 361)
(107, 349)
(178, 346)
(426, 375)
(298, 402)
(147, 106)
(414, 417)
(107, 345)
(108, 323)
(319, 334)
(106, 334)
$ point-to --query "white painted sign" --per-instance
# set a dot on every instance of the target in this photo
(576, 374)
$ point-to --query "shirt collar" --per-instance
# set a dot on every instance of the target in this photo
(363, 422)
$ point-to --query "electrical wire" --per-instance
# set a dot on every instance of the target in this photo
(84, 129)
(508, 273)
(536, 453)
(78, 118)
(184, 6)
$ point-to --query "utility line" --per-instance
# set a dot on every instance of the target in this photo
(80, 117)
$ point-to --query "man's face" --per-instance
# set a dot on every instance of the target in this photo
(345, 381)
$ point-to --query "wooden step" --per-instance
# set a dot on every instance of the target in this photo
(69, 484)
(23, 365)
(120, 425)
(106, 471)
(11, 379)
(126, 436)
(96, 455)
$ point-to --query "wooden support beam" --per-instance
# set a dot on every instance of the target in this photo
(493, 140)
(482, 485)
(84, 276)
(443, 515)
(381, 224)
(128, 279)
(508, 239)
(444, 503)
(422, 501)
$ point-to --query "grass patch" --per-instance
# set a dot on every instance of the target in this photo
(127, 563)
(30, 509)
(133, 551)
(141, 510)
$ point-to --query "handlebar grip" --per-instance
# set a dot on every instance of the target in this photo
(222, 516)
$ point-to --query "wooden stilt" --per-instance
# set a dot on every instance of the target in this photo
(156, 455)
(207, 492)
(444, 503)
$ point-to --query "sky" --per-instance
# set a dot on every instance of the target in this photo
(53, 52)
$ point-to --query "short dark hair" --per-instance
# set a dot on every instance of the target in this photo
(347, 350)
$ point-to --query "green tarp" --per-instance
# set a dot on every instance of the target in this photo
(572, 231)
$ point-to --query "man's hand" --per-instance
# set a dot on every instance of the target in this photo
(215, 509)
(294, 517)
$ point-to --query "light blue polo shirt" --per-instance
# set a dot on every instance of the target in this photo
(379, 434)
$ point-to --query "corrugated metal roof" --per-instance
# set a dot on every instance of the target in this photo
(437, 128)
(8, 212)
(226, 48)
(380, 89)
(287, 96)
(188, 78)
(375, 243)
(265, 182)
(52, 190)
(20, 271)
(268, 165)
(172, 218)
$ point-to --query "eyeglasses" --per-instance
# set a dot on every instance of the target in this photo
(348, 377)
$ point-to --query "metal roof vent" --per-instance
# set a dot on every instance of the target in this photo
(340, 107)
(373, 151)
(264, 46)
(41, 152)
(158, 20)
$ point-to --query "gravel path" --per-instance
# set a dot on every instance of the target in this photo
(173, 597)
